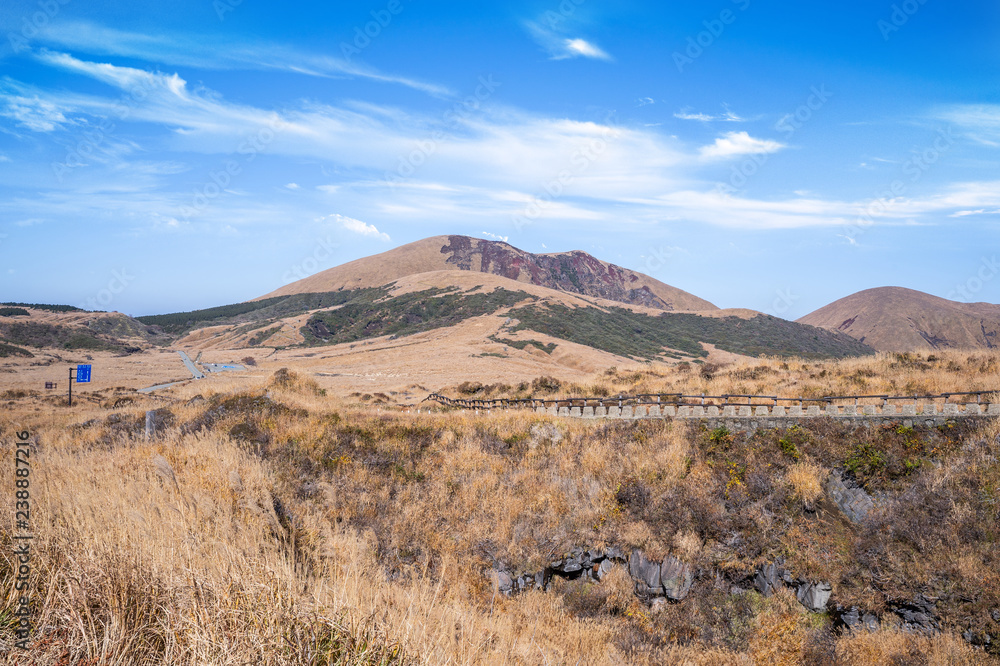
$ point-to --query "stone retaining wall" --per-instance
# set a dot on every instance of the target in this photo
(741, 418)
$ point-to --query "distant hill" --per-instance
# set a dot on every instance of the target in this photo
(490, 298)
(899, 319)
(32, 326)
(572, 272)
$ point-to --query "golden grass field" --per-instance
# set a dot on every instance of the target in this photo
(275, 522)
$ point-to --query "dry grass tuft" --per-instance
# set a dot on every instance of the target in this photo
(807, 480)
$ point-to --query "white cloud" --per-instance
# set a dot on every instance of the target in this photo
(213, 54)
(293, 186)
(359, 227)
(733, 144)
(4, 158)
(584, 48)
(981, 122)
(645, 101)
(29, 222)
(561, 47)
(981, 211)
(496, 237)
(30, 110)
(727, 116)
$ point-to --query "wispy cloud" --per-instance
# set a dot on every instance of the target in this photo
(727, 116)
(496, 237)
(29, 110)
(981, 211)
(213, 53)
(733, 144)
(561, 46)
(980, 122)
(359, 227)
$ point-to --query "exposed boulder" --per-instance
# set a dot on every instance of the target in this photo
(917, 615)
(646, 574)
(854, 619)
(675, 578)
(814, 596)
(769, 578)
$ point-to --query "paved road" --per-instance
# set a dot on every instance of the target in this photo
(221, 367)
(198, 374)
(150, 389)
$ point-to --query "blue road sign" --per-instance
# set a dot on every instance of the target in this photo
(82, 374)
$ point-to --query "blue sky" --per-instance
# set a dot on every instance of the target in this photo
(171, 156)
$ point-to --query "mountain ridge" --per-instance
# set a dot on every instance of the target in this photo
(902, 319)
(574, 272)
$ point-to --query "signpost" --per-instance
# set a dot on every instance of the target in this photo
(82, 377)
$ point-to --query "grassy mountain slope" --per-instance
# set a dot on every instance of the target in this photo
(898, 319)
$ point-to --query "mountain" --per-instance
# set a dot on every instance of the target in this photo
(898, 319)
(26, 326)
(572, 272)
(448, 299)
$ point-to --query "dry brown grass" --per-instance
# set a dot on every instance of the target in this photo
(807, 480)
(320, 531)
(885, 373)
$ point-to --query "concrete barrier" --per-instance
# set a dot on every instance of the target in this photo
(779, 415)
